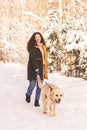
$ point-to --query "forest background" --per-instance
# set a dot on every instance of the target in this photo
(63, 24)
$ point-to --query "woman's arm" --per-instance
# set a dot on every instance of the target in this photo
(33, 56)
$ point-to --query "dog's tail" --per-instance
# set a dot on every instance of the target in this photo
(39, 82)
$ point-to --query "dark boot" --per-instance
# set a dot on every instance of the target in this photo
(27, 98)
(36, 104)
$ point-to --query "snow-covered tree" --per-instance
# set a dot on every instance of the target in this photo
(62, 38)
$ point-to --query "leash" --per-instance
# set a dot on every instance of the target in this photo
(48, 85)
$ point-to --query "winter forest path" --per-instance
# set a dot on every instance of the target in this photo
(16, 114)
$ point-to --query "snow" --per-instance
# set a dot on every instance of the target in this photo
(16, 114)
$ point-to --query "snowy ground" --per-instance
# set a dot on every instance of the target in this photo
(16, 114)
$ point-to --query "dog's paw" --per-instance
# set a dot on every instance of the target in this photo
(44, 112)
(53, 114)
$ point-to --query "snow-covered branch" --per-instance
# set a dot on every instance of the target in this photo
(33, 15)
(82, 3)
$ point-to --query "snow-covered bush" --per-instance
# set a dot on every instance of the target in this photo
(53, 36)
(63, 38)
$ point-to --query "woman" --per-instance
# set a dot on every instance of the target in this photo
(37, 64)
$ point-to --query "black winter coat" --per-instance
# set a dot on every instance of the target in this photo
(35, 62)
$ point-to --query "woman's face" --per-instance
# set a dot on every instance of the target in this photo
(38, 38)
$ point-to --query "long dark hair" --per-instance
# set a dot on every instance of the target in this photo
(31, 43)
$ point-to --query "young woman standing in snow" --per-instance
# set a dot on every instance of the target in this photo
(37, 64)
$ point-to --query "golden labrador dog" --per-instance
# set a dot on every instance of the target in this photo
(51, 95)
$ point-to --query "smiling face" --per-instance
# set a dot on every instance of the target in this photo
(38, 39)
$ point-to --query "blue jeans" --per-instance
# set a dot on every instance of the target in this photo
(31, 87)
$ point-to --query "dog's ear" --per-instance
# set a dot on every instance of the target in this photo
(52, 92)
(51, 89)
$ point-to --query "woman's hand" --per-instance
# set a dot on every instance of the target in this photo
(37, 74)
(37, 70)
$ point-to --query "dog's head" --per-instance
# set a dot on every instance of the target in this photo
(56, 95)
